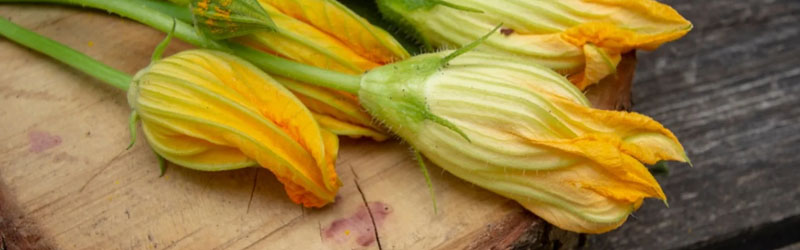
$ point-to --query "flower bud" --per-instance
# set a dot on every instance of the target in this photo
(211, 111)
(328, 35)
(222, 19)
(524, 132)
(580, 38)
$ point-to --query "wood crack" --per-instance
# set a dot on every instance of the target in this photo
(273, 232)
(110, 162)
(369, 210)
(252, 191)
(174, 243)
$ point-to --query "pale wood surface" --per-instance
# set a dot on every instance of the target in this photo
(68, 182)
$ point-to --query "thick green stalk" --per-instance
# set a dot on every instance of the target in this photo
(143, 11)
(64, 54)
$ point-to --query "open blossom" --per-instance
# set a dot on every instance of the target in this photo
(211, 111)
(328, 35)
(525, 132)
(580, 38)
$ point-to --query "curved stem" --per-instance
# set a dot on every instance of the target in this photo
(146, 12)
(64, 54)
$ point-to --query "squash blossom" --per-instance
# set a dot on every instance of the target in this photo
(211, 111)
(328, 35)
(525, 132)
(579, 38)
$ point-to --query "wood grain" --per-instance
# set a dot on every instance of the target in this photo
(730, 90)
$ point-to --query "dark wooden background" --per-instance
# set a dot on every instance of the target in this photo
(730, 90)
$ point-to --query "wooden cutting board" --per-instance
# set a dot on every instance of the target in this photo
(67, 181)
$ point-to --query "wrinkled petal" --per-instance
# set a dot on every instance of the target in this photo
(301, 42)
(328, 35)
(582, 38)
(208, 110)
(599, 64)
(524, 132)
(337, 20)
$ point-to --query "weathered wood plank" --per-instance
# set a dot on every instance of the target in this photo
(794, 246)
(730, 90)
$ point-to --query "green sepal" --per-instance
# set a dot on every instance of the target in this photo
(420, 111)
(223, 19)
(163, 44)
(470, 46)
(132, 127)
(659, 169)
(444, 122)
(424, 170)
(162, 164)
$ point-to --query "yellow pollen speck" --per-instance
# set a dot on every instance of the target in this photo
(203, 5)
(116, 182)
(90, 44)
(347, 232)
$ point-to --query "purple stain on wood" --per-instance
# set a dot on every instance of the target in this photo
(358, 227)
(41, 141)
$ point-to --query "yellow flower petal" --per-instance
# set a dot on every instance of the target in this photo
(599, 64)
(337, 20)
(581, 38)
(524, 132)
(328, 35)
(209, 110)
(301, 42)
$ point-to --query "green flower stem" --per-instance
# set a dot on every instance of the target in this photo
(298, 71)
(64, 54)
(148, 13)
